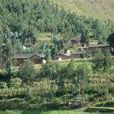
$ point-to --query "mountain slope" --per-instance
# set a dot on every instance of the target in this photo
(102, 9)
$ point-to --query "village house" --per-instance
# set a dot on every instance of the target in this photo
(18, 59)
(95, 47)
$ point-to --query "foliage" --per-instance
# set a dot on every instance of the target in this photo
(22, 19)
(15, 82)
(99, 59)
(20, 23)
(49, 70)
(69, 71)
(27, 72)
(102, 60)
(108, 60)
(3, 85)
(14, 104)
(6, 55)
(111, 41)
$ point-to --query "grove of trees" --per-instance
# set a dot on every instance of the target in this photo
(28, 86)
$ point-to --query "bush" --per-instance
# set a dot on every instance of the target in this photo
(15, 82)
(49, 70)
(14, 104)
(27, 71)
(3, 85)
(4, 76)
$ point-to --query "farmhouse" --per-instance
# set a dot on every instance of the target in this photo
(18, 59)
(94, 47)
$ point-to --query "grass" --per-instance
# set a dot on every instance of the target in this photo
(109, 103)
(100, 109)
(47, 112)
(106, 106)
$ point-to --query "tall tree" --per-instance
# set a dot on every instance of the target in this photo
(85, 36)
(111, 42)
(27, 72)
(6, 55)
(99, 59)
(48, 55)
(108, 60)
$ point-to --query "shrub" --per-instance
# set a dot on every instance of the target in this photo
(14, 103)
(15, 82)
(3, 85)
(27, 71)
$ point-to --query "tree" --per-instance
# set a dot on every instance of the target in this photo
(108, 60)
(27, 72)
(49, 70)
(85, 36)
(102, 60)
(111, 42)
(3, 85)
(48, 56)
(6, 55)
(15, 82)
(101, 31)
(99, 60)
(67, 73)
(28, 37)
(54, 51)
(70, 70)
(60, 84)
(71, 74)
(83, 72)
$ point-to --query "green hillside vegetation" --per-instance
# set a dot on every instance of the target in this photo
(101, 9)
(43, 23)
(44, 30)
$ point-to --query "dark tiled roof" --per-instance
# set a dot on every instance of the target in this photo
(27, 56)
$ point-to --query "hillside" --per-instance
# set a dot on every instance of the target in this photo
(54, 60)
(103, 9)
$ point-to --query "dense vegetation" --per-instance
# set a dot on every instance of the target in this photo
(24, 19)
(52, 85)
(21, 22)
(55, 84)
(49, 112)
